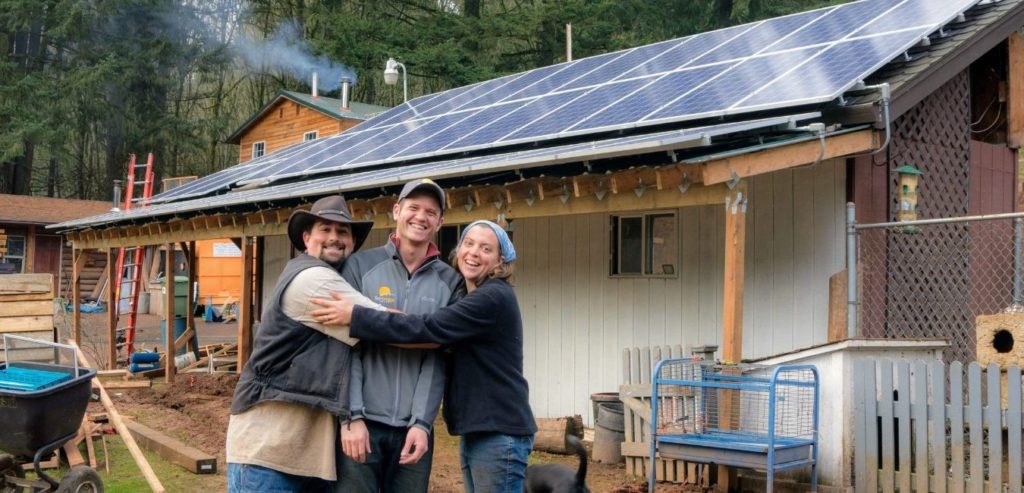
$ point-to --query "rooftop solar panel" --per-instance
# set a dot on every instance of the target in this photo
(800, 59)
(660, 141)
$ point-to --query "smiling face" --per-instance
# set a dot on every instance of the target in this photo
(418, 217)
(478, 255)
(334, 240)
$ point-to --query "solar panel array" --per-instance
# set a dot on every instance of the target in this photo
(806, 58)
(638, 144)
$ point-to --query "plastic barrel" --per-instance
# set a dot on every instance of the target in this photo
(609, 428)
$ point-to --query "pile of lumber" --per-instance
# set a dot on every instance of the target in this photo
(215, 358)
(26, 309)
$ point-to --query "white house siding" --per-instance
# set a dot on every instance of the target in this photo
(578, 319)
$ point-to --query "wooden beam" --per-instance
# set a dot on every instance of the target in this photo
(76, 294)
(245, 305)
(788, 156)
(112, 308)
(190, 321)
(169, 347)
(173, 450)
(1015, 91)
(732, 298)
(837, 306)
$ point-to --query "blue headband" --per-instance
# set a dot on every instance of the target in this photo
(505, 247)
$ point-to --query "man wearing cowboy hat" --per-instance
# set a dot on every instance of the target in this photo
(295, 387)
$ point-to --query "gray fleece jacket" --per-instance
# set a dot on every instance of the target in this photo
(393, 386)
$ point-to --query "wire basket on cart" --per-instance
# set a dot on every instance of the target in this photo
(758, 417)
(41, 408)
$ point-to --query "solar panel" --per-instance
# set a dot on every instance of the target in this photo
(601, 149)
(800, 59)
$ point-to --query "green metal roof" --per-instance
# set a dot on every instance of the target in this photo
(328, 106)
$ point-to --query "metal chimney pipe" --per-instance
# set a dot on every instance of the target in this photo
(345, 82)
(117, 196)
(313, 89)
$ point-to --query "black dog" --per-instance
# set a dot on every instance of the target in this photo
(556, 478)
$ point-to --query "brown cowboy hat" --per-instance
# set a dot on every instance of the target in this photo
(331, 208)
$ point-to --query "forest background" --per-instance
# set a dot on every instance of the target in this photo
(84, 83)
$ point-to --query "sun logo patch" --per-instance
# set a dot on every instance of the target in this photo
(385, 296)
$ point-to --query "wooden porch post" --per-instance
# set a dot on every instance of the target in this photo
(732, 314)
(732, 299)
(77, 264)
(190, 321)
(169, 346)
(245, 305)
(113, 308)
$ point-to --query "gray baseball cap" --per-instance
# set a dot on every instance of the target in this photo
(426, 185)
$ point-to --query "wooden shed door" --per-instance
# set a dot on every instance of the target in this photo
(47, 256)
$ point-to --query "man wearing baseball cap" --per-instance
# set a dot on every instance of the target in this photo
(396, 392)
(295, 386)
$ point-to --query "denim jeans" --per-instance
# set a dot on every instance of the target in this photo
(381, 471)
(249, 478)
(494, 463)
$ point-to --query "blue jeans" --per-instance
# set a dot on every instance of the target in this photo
(381, 472)
(494, 463)
(249, 478)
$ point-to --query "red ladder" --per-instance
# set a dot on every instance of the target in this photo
(129, 275)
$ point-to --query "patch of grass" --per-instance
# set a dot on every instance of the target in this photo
(125, 476)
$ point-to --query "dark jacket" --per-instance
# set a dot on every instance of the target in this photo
(293, 362)
(394, 386)
(486, 389)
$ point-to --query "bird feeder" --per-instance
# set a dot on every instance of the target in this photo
(907, 194)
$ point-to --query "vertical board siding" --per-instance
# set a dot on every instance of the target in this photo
(903, 404)
(578, 319)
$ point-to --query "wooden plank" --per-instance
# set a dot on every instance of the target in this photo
(994, 424)
(919, 411)
(26, 324)
(113, 311)
(173, 450)
(245, 305)
(1015, 92)
(23, 308)
(789, 156)
(1013, 427)
(7, 297)
(169, 343)
(190, 321)
(128, 384)
(871, 430)
(26, 283)
(973, 417)
(902, 424)
(885, 412)
(956, 426)
(73, 454)
(937, 379)
(837, 306)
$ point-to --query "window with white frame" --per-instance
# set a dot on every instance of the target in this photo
(258, 149)
(13, 261)
(645, 245)
(308, 136)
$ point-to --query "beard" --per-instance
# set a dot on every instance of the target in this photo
(334, 262)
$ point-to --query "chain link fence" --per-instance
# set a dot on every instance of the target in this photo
(933, 278)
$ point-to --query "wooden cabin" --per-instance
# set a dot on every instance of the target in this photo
(30, 249)
(292, 117)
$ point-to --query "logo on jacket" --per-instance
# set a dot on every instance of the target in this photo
(385, 296)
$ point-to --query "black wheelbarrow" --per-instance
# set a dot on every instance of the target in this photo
(41, 408)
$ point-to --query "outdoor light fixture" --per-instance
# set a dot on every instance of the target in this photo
(907, 193)
(391, 76)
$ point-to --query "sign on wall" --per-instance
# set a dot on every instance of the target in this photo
(226, 249)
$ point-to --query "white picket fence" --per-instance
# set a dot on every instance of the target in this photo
(913, 433)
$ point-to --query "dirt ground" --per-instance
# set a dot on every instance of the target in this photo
(194, 409)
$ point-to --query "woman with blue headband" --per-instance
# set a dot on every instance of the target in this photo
(486, 401)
